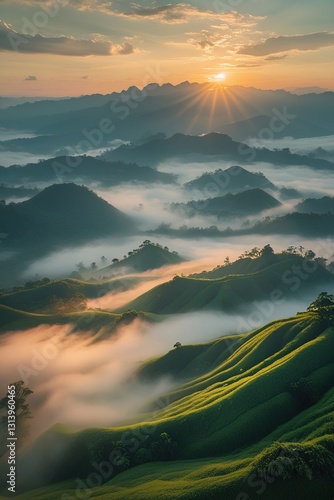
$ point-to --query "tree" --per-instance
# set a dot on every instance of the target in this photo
(267, 251)
(321, 261)
(22, 411)
(227, 261)
(322, 302)
(115, 260)
(177, 345)
(165, 448)
(309, 254)
(93, 265)
(81, 266)
(104, 260)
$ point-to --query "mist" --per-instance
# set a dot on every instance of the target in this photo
(82, 383)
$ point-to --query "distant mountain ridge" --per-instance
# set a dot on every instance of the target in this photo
(86, 169)
(212, 145)
(170, 109)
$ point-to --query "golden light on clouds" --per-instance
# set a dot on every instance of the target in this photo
(219, 77)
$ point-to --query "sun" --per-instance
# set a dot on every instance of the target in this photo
(219, 77)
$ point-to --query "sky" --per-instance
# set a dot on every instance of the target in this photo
(75, 47)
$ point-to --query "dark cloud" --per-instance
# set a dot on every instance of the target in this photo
(274, 45)
(10, 40)
(277, 58)
(31, 78)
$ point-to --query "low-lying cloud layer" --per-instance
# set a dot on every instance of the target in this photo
(87, 384)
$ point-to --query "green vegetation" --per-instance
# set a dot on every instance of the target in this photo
(99, 323)
(64, 295)
(238, 425)
(17, 394)
(232, 286)
(148, 256)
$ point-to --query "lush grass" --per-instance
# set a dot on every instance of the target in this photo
(239, 404)
(231, 287)
(42, 298)
(90, 321)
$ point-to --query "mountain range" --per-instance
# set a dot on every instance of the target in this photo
(134, 113)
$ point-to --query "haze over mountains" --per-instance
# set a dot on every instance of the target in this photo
(93, 121)
(195, 362)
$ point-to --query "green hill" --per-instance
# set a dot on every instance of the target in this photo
(250, 202)
(87, 321)
(69, 293)
(261, 407)
(232, 180)
(147, 256)
(61, 214)
(236, 286)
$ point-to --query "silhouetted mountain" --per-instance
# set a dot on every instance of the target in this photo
(83, 169)
(213, 145)
(312, 225)
(232, 180)
(252, 127)
(307, 90)
(316, 206)
(62, 214)
(170, 109)
(289, 193)
(253, 201)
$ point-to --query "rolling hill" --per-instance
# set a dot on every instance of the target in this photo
(257, 280)
(100, 324)
(231, 180)
(61, 214)
(261, 406)
(148, 256)
(68, 294)
(250, 202)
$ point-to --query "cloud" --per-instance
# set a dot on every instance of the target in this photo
(11, 40)
(277, 58)
(274, 45)
(31, 78)
(182, 13)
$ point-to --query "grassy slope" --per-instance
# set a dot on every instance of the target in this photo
(40, 298)
(253, 281)
(233, 411)
(148, 257)
(90, 321)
